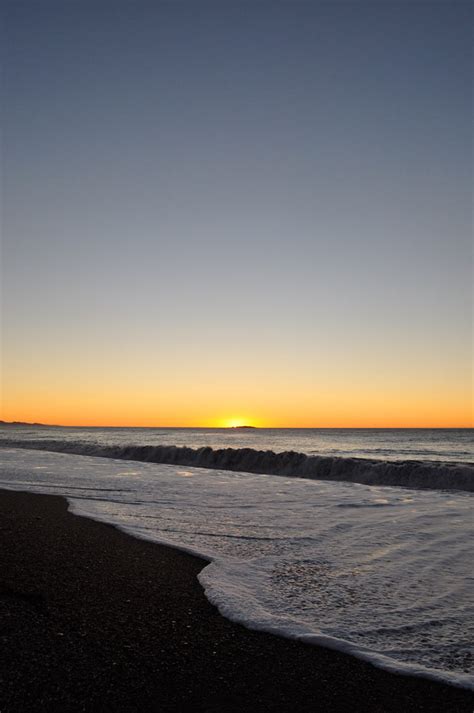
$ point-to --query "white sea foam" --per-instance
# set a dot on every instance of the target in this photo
(381, 572)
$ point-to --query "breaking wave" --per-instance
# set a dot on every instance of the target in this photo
(410, 473)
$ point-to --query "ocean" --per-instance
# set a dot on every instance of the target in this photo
(355, 539)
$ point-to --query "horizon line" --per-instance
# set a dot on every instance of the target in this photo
(236, 428)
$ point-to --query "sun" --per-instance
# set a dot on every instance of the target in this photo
(235, 422)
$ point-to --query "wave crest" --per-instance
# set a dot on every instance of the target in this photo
(408, 473)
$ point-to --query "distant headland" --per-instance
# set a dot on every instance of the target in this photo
(25, 423)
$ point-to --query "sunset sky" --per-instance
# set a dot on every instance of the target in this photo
(229, 212)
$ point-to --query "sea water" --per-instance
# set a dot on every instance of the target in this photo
(420, 458)
(435, 444)
(379, 571)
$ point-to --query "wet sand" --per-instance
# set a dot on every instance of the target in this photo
(92, 619)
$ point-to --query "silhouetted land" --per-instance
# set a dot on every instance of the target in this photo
(95, 620)
(25, 423)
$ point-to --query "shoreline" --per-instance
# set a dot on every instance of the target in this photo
(95, 619)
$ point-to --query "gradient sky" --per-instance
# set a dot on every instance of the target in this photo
(256, 211)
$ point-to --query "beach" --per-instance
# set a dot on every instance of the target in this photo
(94, 619)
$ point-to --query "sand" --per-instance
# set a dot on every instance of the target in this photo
(92, 619)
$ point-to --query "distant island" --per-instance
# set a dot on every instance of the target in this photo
(243, 426)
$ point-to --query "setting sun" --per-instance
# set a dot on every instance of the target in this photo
(235, 422)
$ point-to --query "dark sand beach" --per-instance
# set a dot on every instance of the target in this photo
(95, 620)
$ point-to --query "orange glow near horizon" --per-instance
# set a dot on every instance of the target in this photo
(388, 415)
(119, 392)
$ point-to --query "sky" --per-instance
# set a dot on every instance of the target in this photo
(237, 212)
